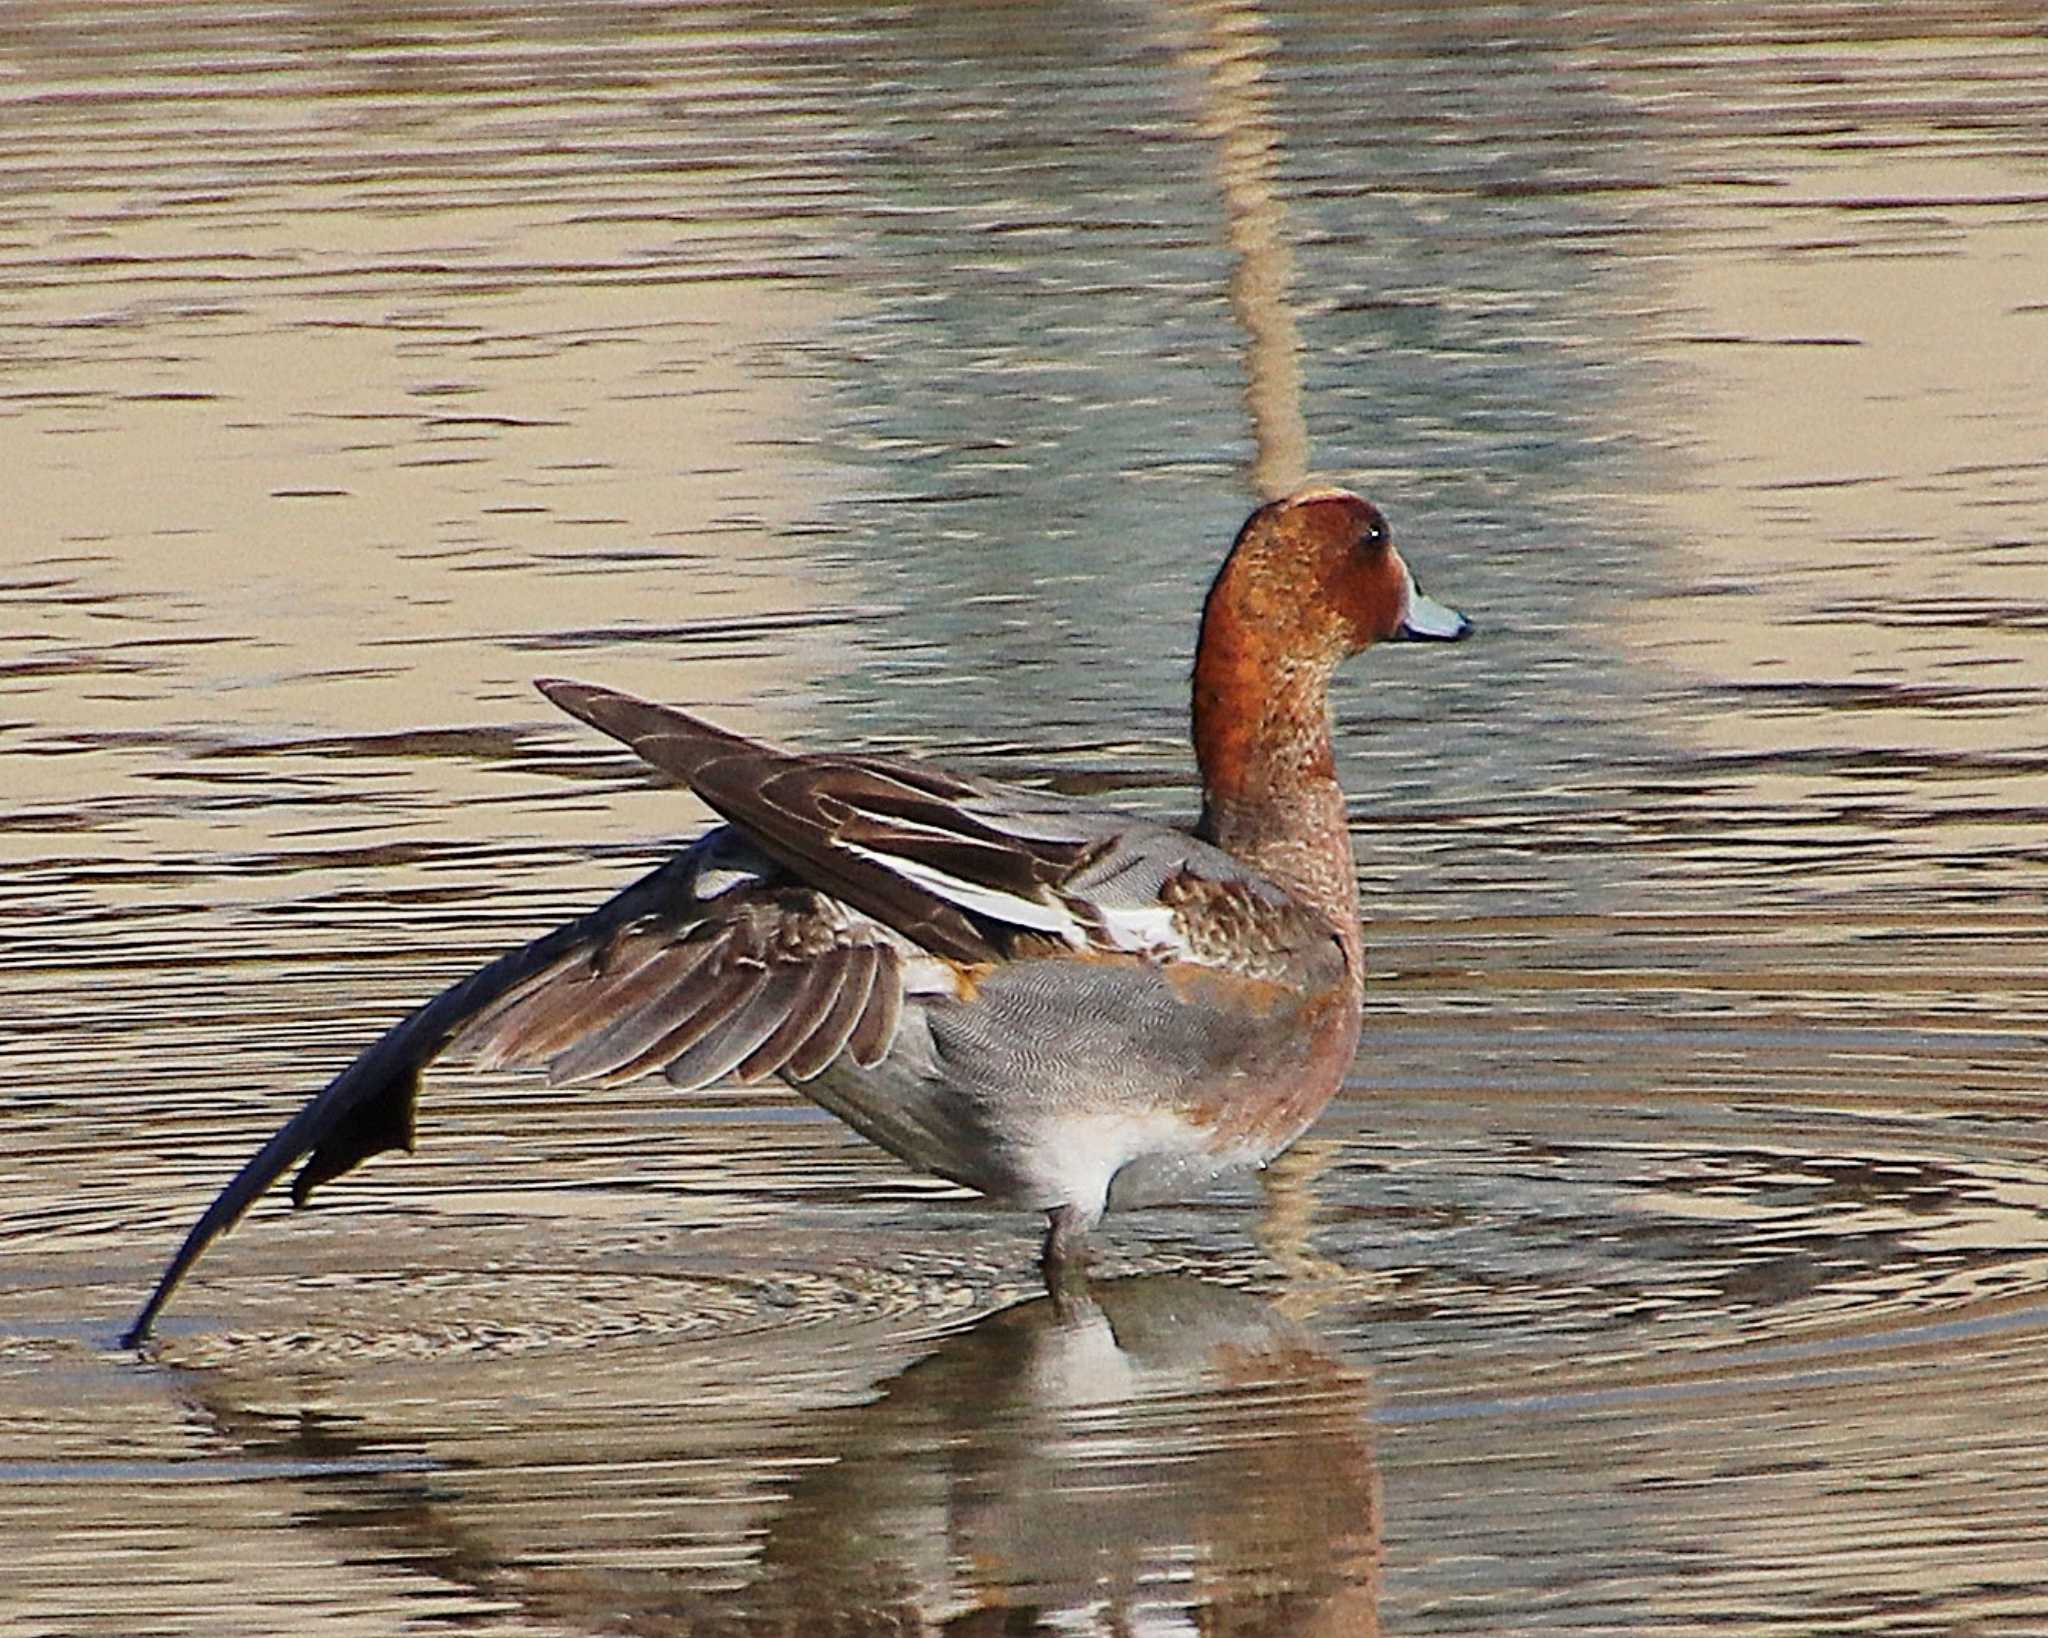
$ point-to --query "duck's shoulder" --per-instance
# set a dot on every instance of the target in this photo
(1241, 921)
(1153, 890)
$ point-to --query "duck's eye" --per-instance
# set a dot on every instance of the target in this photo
(1374, 535)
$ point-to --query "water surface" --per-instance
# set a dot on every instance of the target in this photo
(894, 376)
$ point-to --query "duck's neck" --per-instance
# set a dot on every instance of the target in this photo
(1270, 796)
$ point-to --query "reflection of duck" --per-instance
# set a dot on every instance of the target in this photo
(1155, 1455)
(1158, 1445)
(1056, 1004)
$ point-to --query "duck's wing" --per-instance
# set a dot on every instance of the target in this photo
(971, 870)
(714, 964)
(741, 972)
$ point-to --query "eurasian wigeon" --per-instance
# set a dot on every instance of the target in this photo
(1059, 1005)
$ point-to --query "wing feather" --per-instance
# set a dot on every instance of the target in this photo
(717, 1052)
(814, 998)
(580, 996)
(849, 1005)
(651, 1035)
(901, 844)
(875, 1029)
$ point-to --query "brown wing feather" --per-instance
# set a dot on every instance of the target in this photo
(756, 975)
(811, 813)
(876, 1026)
(652, 1035)
(718, 1052)
(369, 1106)
(821, 982)
(849, 1004)
(581, 997)
(745, 981)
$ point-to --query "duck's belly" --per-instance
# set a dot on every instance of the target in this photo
(1061, 1082)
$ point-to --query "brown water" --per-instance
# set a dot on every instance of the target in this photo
(894, 375)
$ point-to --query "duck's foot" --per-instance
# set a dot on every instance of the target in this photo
(1064, 1258)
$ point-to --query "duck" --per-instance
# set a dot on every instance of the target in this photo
(1059, 1005)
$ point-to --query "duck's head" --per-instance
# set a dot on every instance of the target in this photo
(1310, 580)
(1316, 577)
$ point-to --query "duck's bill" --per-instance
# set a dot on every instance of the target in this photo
(1429, 621)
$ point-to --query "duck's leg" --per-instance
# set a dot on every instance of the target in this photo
(1064, 1258)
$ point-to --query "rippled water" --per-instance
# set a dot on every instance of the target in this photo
(895, 376)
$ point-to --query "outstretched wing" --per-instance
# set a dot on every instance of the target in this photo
(712, 965)
(902, 842)
(763, 977)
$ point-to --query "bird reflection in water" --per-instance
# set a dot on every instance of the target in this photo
(1152, 1455)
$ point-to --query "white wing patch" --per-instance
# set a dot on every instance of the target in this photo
(1138, 929)
(714, 880)
(725, 859)
(1040, 917)
(1143, 930)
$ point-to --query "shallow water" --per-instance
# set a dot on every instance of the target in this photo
(1677, 1258)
